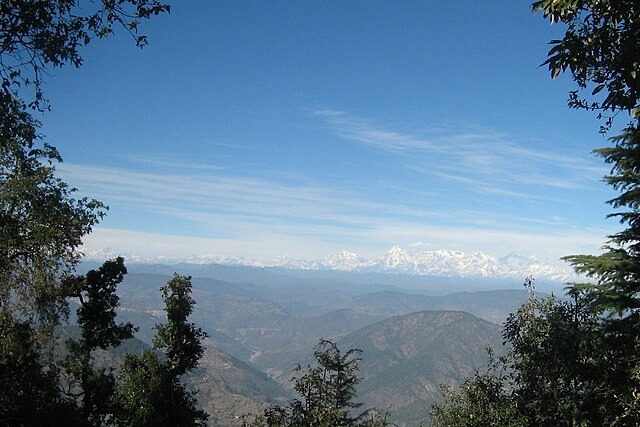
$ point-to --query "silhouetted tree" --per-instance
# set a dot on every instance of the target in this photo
(579, 364)
(151, 393)
(96, 293)
(29, 388)
(41, 222)
(327, 391)
(38, 34)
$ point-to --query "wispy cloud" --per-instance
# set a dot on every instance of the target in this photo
(172, 163)
(266, 213)
(485, 159)
(206, 197)
(269, 218)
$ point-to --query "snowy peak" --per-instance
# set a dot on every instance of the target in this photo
(344, 261)
(441, 262)
(399, 260)
(447, 263)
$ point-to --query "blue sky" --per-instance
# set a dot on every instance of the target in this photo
(271, 128)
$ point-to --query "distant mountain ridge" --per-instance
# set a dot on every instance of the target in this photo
(445, 263)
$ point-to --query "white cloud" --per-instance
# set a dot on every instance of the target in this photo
(486, 158)
(266, 244)
(289, 214)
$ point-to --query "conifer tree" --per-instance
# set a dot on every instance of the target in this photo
(151, 391)
(327, 391)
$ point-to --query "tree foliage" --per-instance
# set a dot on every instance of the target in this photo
(327, 391)
(180, 340)
(38, 34)
(96, 292)
(29, 387)
(152, 393)
(481, 400)
(576, 363)
(41, 223)
(151, 396)
(601, 49)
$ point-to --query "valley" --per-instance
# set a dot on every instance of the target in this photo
(263, 322)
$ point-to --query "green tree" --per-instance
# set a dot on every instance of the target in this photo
(601, 50)
(577, 363)
(41, 227)
(550, 376)
(41, 223)
(327, 391)
(555, 362)
(152, 393)
(180, 340)
(30, 389)
(481, 400)
(96, 293)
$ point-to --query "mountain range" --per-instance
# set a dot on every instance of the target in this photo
(262, 322)
(443, 263)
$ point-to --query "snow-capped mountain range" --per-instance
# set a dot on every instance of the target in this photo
(446, 263)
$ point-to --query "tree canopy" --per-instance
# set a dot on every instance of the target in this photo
(41, 221)
(600, 49)
(151, 392)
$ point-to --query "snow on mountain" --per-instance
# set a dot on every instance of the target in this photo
(344, 261)
(446, 263)
(442, 263)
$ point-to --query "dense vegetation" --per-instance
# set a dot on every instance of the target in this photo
(576, 363)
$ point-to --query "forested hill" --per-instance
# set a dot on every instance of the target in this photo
(270, 328)
(407, 358)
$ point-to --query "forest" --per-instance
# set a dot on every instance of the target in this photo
(567, 361)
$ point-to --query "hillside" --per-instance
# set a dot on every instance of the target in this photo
(493, 306)
(259, 332)
(406, 358)
(230, 388)
(271, 333)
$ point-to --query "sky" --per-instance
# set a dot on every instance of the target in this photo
(262, 129)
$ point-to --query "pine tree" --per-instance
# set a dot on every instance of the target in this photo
(580, 364)
(601, 50)
(151, 391)
(327, 391)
